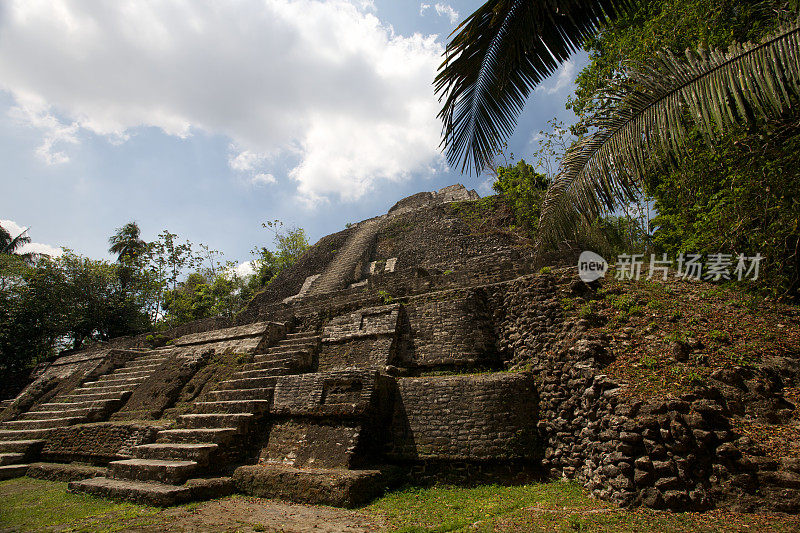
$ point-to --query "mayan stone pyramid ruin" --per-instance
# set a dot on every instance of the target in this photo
(418, 346)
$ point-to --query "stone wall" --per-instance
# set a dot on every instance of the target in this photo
(313, 443)
(328, 419)
(96, 443)
(451, 328)
(481, 417)
(678, 453)
(434, 235)
(367, 338)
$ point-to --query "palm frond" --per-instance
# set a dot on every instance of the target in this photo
(500, 53)
(649, 105)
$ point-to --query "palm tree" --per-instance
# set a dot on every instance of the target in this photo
(500, 53)
(650, 110)
(126, 243)
(507, 47)
(12, 245)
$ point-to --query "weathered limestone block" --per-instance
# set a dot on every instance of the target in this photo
(310, 443)
(452, 328)
(250, 338)
(367, 338)
(473, 417)
(96, 443)
(349, 393)
(341, 488)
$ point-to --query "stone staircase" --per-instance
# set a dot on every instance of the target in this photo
(345, 267)
(22, 438)
(179, 465)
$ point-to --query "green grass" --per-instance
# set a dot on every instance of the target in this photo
(441, 509)
(33, 505)
(553, 506)
(36, 505)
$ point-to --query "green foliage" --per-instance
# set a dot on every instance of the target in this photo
(386, 297)
(127, 244)
(200, 296)
(290, 245)
(500, 52)
(524, 189)
(675, 25)
(60, 302)
(740, 196)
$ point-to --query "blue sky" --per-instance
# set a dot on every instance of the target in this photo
(208, 118)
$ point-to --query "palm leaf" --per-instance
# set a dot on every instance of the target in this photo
(500, 53)
(714, 89)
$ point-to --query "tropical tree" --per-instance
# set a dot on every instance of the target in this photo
(12, 245)
(127, 244)
(641, 113)
(290, 244)
(653, 109)
(497, 56)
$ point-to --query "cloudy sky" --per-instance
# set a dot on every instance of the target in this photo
(207, 118)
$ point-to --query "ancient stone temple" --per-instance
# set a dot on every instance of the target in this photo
(419, 346)
(357, 368)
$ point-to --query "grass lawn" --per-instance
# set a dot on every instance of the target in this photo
(35, 505)
(553, 506)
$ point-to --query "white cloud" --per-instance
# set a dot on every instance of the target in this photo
(36, 247)
(262, 179)
(34, 112)
(245, 269)
(565, 76)
(323, 82)
(443, 10)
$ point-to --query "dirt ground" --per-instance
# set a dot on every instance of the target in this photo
(243, 514)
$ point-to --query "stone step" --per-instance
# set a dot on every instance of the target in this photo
(126, 373)
(12, 471)
(302, 335)
(261, 373)
(247, 383)
(157, 494)
(262, 393)
(133, 367)
(44, 415)
(24, 434)
(150, 361)
(41, 424)
(94, 389)
(197, 436)
(20, 446)
(111, 380)
(233, 406)
(199, 453)
(294, 341)
(90, 397)
(163, 471)
(11, 458)
(215, 420)
(67, 405)
(265, 363)
(280, 350)
(312, 485)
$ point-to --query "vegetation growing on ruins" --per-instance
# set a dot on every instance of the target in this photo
(738, 196)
